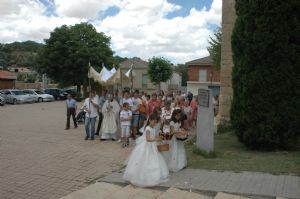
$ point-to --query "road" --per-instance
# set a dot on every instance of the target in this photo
(39, 159)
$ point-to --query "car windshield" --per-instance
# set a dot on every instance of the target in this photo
(39, 92)
(18, 92)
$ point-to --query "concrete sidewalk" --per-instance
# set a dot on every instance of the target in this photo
(243, 183)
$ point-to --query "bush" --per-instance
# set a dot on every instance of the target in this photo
(265, 78)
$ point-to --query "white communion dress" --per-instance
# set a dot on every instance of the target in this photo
(177, 157)
(146, 167)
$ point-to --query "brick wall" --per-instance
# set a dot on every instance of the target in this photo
(193, 73)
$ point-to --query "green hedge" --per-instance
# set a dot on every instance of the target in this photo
(265, 78)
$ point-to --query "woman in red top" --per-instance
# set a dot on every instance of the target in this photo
(153, 102)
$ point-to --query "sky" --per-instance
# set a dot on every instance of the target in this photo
(178, 30)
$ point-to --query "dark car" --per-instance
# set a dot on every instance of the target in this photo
(71, 91)
(58, 94)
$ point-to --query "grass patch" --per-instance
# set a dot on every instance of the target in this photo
(232, 155)
(203, 153)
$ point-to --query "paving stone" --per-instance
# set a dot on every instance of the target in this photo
(127, 192)
(174, 193)
(221, 195)
(98, 190)
(249, 183)
(38, 157)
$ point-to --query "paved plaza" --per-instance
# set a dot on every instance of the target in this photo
(39, 159)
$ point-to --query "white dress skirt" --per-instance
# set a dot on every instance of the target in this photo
(177, 155)
(146, 167)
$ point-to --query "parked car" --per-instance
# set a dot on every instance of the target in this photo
(71, 91)
(15, 96)
(58, 94)
(2, 100)
(39, 96)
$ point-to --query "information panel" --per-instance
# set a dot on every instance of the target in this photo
(203, 97)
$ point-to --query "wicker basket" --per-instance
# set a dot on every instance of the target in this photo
(163, 147)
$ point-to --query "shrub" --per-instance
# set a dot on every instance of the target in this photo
(265, 78)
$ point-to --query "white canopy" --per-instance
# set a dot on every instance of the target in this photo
(108, 77)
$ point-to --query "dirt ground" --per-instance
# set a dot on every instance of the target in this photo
(39, 159)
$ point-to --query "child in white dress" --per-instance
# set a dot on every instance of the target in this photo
(146, 167)
(177, 160)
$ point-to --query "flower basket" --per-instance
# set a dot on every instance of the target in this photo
(163, 147)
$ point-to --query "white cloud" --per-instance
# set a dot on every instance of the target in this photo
(139, 29)
(25, 20)
(83, 8)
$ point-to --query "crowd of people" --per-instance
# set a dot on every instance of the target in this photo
(123, 114)
(152, 121)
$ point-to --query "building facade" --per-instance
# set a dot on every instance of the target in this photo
(141, 80)
(201, 74)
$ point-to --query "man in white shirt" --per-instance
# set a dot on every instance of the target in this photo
(91, 107)
(136, 103)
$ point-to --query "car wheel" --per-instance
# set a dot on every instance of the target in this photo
(58, 98)
(14, 101)
(40, 100)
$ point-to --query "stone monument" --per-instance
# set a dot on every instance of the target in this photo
(205, 120)
(226, 93)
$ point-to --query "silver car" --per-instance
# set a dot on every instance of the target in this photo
(39, 96)
(2, 100)
(14, 96)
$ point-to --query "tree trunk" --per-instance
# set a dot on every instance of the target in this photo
(159, 87)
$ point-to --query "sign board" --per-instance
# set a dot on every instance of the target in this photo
(203, 97)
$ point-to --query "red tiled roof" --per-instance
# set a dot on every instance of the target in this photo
(202, 61)
(7, 75)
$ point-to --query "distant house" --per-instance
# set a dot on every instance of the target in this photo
(7, 79)
(202, 74)
(19, 69)
(141, 80)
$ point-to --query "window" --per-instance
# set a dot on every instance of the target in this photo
(144, 81)
(202, 75)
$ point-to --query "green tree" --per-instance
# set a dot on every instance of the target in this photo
(182, 70)
(68, 51)
(159, 70)
(265, 111)
(215, 48)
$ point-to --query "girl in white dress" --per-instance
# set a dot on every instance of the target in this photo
(177, 160)
(146, 167)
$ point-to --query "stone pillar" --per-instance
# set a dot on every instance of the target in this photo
(226, 93)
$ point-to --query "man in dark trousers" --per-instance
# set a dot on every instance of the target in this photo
(71, 110)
